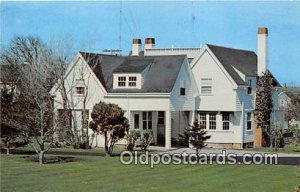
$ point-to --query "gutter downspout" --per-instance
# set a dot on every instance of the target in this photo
(243, 124)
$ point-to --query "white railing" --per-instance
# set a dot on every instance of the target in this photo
(189, 52)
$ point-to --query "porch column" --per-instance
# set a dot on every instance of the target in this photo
(168, 130)
(191, 117)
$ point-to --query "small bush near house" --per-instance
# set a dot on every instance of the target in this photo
(146, 140)
(196, 136)
(132, 137)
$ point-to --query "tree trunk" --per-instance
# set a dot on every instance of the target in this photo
(7, 148)
(258, 137)
(41, 157)
(197, 153)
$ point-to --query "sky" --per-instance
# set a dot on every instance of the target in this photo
(96, 25)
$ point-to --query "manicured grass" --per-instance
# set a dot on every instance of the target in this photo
(94, 173)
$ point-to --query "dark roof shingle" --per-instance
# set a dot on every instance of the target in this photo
(237, 59)
(133, 65)
(161, 77)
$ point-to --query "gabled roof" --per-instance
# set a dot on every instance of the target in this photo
(161, 77)
(243, 60)
(292, 92)
(103, 66)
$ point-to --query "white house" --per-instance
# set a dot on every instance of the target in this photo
(157, 92)
(165, 89)
(226, 79)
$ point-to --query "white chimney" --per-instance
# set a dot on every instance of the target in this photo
(136, 47)
(262, 50)
(149, 43)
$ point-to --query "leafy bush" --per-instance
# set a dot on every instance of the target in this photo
(132, 137)
(146, 140)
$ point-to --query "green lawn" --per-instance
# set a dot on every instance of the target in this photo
(92, 173)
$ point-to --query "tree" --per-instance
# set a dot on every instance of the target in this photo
(37, 76)
(109, 120)
(263, 108)
(292, 111)
(197, 136)
(13, 134)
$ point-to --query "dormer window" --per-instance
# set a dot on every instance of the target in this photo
(122, 81)
(132, 81)
(127, 81)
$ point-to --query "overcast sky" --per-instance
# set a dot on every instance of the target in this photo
(95, 26)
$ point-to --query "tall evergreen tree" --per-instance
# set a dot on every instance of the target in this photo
(264, 103)
(196, 136)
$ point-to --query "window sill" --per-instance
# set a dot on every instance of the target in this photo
(206, 95)
(126, 88)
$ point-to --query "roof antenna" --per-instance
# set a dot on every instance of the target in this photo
(119, 50)
(120, 27)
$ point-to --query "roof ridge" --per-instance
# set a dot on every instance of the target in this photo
(235, 49)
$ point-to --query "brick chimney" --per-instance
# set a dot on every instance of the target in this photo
(262, 50)
(136, 47)
(149, 43)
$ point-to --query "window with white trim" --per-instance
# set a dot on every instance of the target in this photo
(202, 120)
(182, 87)
(132, 81)
(147, 120)
(212, 121)
(121, 81)
(161, 118)
(206, 86)
(249, 121)
(226, 121)
(80, 90)
(249, 87)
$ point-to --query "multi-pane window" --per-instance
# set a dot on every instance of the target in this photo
(226, 121)
(249, 122)
(206, 86)
(161, 118)
(132, 81)
(80, 90)
(212, 121)
(122, 81)
(249, 87)
(202, 120)
(147, 120)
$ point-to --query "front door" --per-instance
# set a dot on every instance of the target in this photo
(136, 122)
(161, 128)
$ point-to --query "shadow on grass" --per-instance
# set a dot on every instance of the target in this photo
(52, 159)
